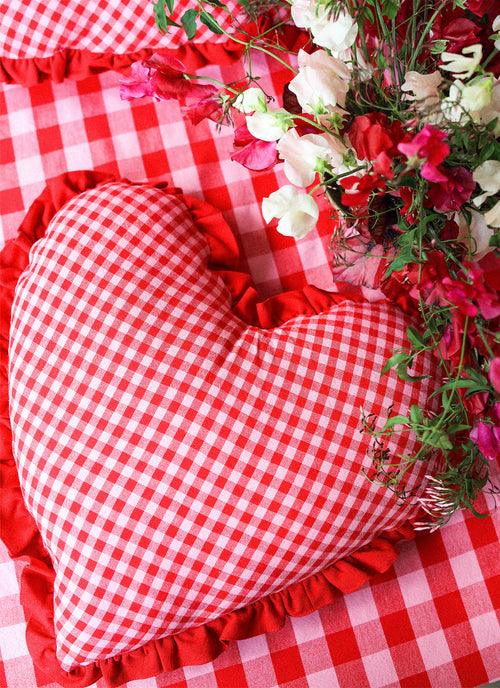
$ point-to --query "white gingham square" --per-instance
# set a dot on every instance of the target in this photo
(180, 463)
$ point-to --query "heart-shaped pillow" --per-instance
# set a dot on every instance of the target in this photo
(193, 458)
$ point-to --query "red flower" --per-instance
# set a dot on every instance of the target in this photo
(453, 190)
(359, 189)
(373, 134)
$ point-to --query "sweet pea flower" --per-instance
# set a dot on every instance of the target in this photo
(306, 155)
(461, 66)
(251, 100)
(336, 35)
(478, 230)
(427, 146)
(423, 86)
(496, 27)
(492, 111)
(270, 125)
(477, 96)
(487, 175)
(492, 217)
(297, 212)
(322, 82)
(487, 438)
(494, 373)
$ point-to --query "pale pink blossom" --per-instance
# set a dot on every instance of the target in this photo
(478, 231)
(422, 86)
(297, 212)
(322, 82)
(304, 155)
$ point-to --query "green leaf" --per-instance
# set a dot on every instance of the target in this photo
(216, 3)
(160, 15)
(394, 360)
(395, 420)
(391, 8)
(495, 240)
(209, 21)
(416, 415)
(170, 5)
(403, 374)
(414, 337)
(188, 21)
(449, 385)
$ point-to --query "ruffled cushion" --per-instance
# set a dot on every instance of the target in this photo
(190, 457)
(42, 39)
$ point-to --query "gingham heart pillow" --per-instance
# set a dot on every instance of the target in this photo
(50, 39)
(192, 458)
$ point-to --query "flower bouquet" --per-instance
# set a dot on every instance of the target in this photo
(392, 112)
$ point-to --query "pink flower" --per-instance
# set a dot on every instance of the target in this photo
(452, 190)
(141, 83)
(165, 78)
(253, 153)
(487, 438)
(428, 146)
(322, 81)
(494, 373)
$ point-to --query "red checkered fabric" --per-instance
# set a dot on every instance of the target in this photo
(40, 28)
(178, 462)
(429, 622)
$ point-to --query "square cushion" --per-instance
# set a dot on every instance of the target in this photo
(190, 458)
(41, 39)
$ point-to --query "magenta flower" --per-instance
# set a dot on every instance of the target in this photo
(141, 83)
(165, 78)
(428, 146)
(453, 190)
(487, 438)
(494, 373)
(253, 153)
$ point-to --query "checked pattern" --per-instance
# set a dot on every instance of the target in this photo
(40, 28)
(178, 462)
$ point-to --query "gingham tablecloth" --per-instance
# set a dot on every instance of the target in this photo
(430, 621)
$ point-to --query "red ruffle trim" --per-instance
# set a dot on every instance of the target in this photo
(78, 64)
(21, 536)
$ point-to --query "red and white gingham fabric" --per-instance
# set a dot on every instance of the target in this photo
(40, 28)
(430, 622)
(179, 463)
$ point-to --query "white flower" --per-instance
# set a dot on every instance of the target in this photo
(251, 100)
(492, 110)
(303, 155)
(496, 27)
(322, 81)
(270, 125)
(492, 217)
(297, 212)
(335, 35)
(477, 96)
(487, 175)
(423, 85)
(463, 67)
(478, 231)
(450, 106)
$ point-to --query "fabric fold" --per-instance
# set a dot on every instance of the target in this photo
(76, 64)
(19, 532)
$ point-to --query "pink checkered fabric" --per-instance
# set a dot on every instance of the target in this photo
(40, 28)
(178, 462)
